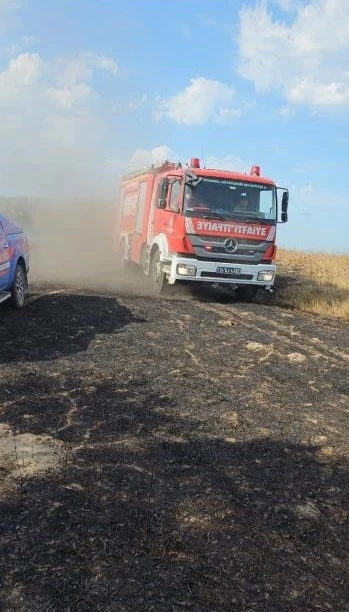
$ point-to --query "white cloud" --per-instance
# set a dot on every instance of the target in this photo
(103, 63)
(145, 157)
(287, 5)
(69, 76)
(21, 72)
(142, 158)
(52, 126)
(199, 102)
(227, 162)
(307, 60)
(319, 94)
(229, 113)
(72, 70)
(66, 97)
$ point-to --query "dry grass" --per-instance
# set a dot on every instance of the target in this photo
(315, 282)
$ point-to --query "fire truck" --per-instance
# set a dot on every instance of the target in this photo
(200, 225)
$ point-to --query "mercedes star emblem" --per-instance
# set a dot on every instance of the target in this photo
(230, 245)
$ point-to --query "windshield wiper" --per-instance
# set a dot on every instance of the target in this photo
(244, 213)
(212, 215)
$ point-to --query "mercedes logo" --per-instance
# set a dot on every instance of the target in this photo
(230, 245)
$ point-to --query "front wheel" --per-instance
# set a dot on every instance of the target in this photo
(156, 274)
(19, 288)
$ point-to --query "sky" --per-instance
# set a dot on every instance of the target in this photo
(92, 88)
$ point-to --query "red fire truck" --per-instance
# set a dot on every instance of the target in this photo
(200, 225)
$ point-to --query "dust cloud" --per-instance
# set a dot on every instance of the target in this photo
(72, 244)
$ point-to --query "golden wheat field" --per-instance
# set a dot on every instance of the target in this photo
(316, 282)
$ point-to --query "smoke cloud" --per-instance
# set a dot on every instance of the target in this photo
(58, 173)
(56, 180)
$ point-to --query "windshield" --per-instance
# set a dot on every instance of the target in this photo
(216, 198)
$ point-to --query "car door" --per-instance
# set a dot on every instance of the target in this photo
(4, 259)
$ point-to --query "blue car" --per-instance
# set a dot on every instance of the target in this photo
(14, 263)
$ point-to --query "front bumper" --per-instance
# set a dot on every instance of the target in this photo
(206, 272)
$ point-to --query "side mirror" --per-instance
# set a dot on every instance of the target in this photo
(162, 193)
(284, 202)
(284, 217)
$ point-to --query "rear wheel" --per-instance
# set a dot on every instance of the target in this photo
(157, 277)
(245, 293)
(124, 265)
(19, 287)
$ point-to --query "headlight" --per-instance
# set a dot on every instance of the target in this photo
(267, 276)
(184, 270)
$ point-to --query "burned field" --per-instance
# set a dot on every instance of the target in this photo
(171, 454)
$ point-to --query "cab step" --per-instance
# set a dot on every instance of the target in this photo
(4, 295)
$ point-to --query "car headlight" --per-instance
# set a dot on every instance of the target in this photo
(184, 270)
(266, 275)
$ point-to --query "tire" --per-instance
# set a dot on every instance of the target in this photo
(245, 293)
(157, 277)
(19, 288)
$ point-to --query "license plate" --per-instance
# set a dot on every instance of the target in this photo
(225, 270)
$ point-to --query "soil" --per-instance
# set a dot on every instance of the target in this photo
(168, 454)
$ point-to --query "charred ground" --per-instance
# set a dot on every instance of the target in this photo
(200, 456)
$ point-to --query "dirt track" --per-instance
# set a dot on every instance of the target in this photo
(197, 455)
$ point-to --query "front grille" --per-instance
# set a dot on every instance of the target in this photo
(221, 275)
(239, 251)
(224, 260)
(248, 250)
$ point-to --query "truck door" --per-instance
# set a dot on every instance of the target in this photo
(4, 260)
(165, 217)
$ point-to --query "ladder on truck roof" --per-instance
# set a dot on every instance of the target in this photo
(153, 169)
